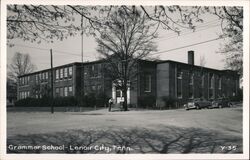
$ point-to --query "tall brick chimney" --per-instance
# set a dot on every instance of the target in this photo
(191, 57)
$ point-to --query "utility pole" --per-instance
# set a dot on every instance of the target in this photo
(52, 88)
(82, 38)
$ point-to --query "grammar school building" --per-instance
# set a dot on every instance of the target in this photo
(181, 81)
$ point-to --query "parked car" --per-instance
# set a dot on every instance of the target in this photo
(197, 103)
(221, 102)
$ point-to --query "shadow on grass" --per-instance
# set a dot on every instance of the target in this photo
(136, 140)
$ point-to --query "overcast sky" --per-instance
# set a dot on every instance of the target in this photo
(69, 50)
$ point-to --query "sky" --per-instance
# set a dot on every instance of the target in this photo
(68, 51)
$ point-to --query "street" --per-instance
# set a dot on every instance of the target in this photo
(147, 131)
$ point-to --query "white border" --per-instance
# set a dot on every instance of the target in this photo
(245, 155)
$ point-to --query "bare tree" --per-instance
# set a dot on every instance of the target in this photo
(21, 64)
(232, 31)
(37, 23)
(126, 38)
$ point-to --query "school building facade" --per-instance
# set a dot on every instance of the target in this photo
(181, 81)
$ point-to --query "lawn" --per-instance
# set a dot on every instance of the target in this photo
(100, 131)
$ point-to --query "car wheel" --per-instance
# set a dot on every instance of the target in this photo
(197, 106)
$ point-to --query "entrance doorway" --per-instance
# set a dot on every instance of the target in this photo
(119, 96)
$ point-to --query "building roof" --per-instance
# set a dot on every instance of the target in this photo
(142, 60)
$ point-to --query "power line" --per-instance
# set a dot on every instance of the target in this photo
(167, 38)
(149, 54)
(187, 46)
(56, 51)
(198, 26)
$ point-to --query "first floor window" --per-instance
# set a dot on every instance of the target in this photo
(211, 81)
(191, 91)
(219, 82)
(70, 91)
(61, 92)
(147, 83)
(179, 87)
(65, 91)
(57, 92)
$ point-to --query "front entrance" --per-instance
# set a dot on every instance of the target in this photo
(118, 96)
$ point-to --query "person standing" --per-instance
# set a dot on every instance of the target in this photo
(110, 103)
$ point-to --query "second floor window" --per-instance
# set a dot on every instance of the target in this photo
(61, 73)
(65, 72)
(57, 74)
(70, 72)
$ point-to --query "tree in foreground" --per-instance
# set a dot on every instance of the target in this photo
(126, 37)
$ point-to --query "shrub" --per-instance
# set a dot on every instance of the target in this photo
(169, 102)
(46, 101)
(146, 101)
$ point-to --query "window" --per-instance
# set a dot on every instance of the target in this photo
(36, 78)
(61, 91)
(57, 92)
(70, 91)
(179, 84)
(70, 72)
(191, 78)
(211, 78)
(61, 73)
(93, 88)
(92, 71)
(99, 87)
(46, 75)
(147, 83)
(65, 91)
(57, 74)
(24, 95)
(65, 72)
(203, 81)
(28, 79)
(219, 83)
(42, 76)
(191, 85)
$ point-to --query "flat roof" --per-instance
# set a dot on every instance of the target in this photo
(150, 61)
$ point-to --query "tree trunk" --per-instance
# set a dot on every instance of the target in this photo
(125, 103)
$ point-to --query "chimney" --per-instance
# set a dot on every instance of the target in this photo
(191, 57)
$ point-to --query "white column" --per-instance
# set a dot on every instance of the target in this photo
(114, 92)
(128, 95)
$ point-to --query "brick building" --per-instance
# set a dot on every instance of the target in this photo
(181, 81)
